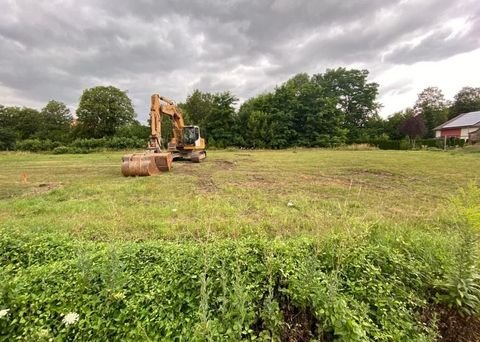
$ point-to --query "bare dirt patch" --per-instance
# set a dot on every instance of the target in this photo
(373, 172)
(454, 327)
(42, 188)
(299, 325)
(225, 164)
(207, 184)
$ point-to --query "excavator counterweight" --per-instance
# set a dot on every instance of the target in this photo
(186, 142)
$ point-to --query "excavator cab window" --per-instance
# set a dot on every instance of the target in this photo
(190, 135)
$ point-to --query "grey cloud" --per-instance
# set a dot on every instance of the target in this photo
(437, 46)
(56, 49)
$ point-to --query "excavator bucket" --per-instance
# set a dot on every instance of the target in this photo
(146, 164)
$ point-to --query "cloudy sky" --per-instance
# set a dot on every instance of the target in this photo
(53, 49)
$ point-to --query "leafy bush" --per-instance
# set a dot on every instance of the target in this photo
(370, 288)
(80, 145)
(89, 144)
(36, 145)
(372, 284)
(124, 142)
(61, 150)
(7, 139)
(70, 150)
(430, 143)
(460, 288)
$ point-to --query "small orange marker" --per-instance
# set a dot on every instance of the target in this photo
(24, 178)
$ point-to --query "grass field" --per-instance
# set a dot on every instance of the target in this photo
(231, 194)
(293, 245)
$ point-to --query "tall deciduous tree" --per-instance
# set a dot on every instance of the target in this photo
(432, 105)
(56, 120)
(102, 110)
(299, 112)
(24, 122)
(357, 98)
(253, 122)
(197, 107)
(220, 122)
(413, 127)
(394, 123)
(7, 131)
(466, 100)
(315, 114)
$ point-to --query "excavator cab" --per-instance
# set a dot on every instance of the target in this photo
(191, 136)
(191, 145)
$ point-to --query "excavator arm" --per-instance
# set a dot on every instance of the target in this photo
(160, 106)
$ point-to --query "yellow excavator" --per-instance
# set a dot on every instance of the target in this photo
(186, 142)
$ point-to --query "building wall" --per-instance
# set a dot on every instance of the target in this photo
(474, 137)
(466, 131)
(455, 132)
(451, 132)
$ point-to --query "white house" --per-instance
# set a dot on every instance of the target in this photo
(460, 126)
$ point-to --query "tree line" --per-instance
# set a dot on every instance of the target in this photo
(339, 106)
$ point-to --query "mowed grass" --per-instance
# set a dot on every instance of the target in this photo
(231, 194)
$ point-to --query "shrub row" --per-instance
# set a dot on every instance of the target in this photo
(79, 145)
(439, 143)
(371, 286)
(118, 143)
(405, 144)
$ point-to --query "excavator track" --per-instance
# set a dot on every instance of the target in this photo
(146, 164)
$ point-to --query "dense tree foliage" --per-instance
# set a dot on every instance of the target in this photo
(102, 111)
(357, 98)
(432, 105)
(394, 122)
(133, 129)
(55, 121)
(413, 127)
(466, 100)
(300, 112)
(319, 110)
(327, 109)
(197, 107)
(23, 122)
(215, 114)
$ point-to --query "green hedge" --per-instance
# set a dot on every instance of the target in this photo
(374, 286)
(79, 145)
(405, 144)
(439, 143)
(36, 145)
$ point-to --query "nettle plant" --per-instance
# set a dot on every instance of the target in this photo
(460, 288)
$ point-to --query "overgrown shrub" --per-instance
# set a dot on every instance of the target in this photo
(70, 150)
(36, 145)
(7, 139)
(430, 143)
(370, 285)
(460, 287)
(80, 145)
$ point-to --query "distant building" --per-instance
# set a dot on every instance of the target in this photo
(460, 126)
(474, 137)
